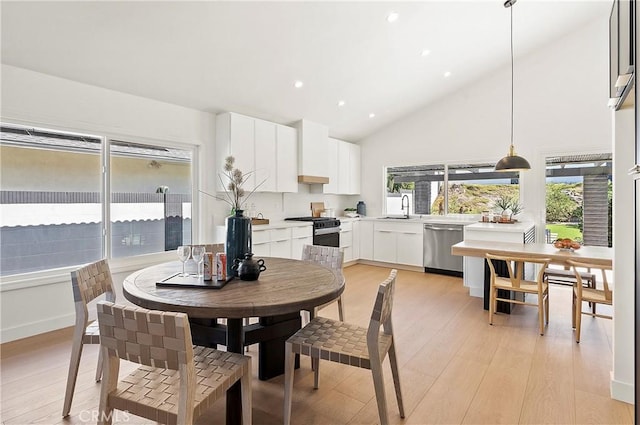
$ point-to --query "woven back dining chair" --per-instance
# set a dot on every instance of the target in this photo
(331, 258)
(349, 344)
(593, 295)
(88, 283)
(176, 381)
(516, 282)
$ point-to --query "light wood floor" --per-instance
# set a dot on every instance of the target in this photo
(454, 367)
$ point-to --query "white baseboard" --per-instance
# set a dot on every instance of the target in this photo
(622, 391)
(34, 328)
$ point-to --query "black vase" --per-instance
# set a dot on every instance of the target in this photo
(238, 240)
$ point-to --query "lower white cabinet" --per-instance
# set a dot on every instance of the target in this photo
(409, 246)
(399, 243)
(366, 240)
(346, 240)
(300, 236)
(284, 242)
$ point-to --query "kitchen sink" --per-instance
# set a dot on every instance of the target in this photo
(395, 218)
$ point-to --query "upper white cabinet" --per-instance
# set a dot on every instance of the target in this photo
(344, 168)
(264, 143)
(313, 160)
(349, 168)
(234, 136)
(266, 149)
(286, 159)
(332, 152)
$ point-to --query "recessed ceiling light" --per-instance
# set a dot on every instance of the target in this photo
(341, 103)
(372, 115)
(298, 84)
(425, 52)
(447, 74)
(392, 17)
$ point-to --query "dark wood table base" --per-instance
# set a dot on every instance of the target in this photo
(270, 333)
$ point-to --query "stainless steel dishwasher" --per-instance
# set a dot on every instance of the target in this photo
(438, 239)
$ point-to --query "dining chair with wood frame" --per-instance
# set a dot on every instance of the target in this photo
(592, 295)
(516, 282)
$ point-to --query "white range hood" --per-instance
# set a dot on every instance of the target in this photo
(313, 159)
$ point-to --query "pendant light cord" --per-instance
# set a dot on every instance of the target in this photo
(511, 11)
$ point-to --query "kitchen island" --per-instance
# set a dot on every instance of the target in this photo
(475, 273)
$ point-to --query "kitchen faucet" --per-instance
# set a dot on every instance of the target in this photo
(402, 204)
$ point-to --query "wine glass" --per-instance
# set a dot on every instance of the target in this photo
(198, 256)
(183, 254)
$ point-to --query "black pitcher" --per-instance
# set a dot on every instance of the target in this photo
(248, 268)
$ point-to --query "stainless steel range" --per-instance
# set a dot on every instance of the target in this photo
(326, 230)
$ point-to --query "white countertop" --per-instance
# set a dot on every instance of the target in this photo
(281, 224)
(518, 227)
(435, 219)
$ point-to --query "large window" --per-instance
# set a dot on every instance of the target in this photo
(450, 189)
(52, 199)
(579, 192)
(150, 198)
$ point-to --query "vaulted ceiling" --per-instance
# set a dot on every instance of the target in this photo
(246, 56)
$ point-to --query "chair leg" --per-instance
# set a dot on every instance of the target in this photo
(109, 384)
(74, 364)
(99, 367)
(245, 385)
(573, 310)
(315, 366)
(541, 314)
(491, 305)
(396, 377)
(340, 309)
(378, 384)
(578, 319)
(306, 317)
(288, 381)
(546, 308)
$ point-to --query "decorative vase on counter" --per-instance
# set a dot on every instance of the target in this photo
(238, 240)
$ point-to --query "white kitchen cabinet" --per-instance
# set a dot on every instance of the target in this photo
(346, 240)
(265, 149)
(261, 242)
(399, 243)
(384, 245)
(265, 158)
(344, 168)
(332, 167)
(366, 240)
(234, 136)
(286, 159)
(356, 239)
(409, 246)
(354, 169)
(284, 242)
(300, 236)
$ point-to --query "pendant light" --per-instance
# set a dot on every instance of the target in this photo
(512, 162)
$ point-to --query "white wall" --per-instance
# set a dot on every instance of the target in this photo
(560, 105)
(44, 302)
(561, 94)
(622, 384)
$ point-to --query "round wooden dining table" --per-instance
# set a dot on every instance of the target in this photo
(283, 289)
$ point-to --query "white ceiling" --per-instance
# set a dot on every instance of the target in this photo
(245, 56)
